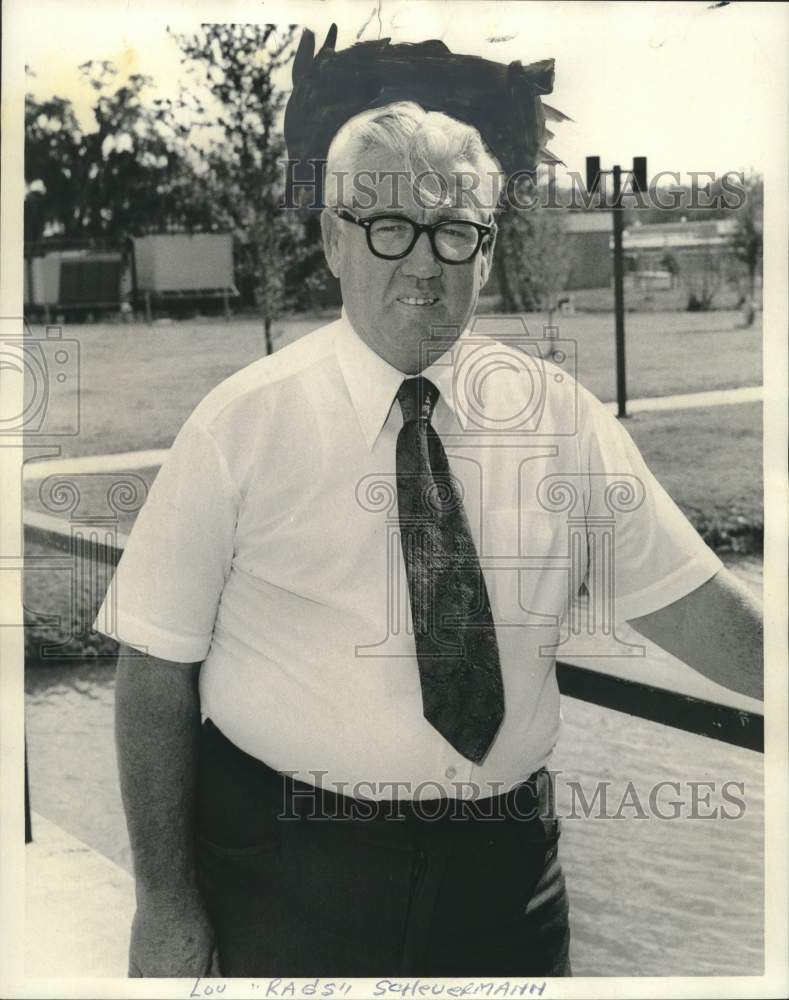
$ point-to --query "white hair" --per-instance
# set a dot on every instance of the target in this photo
(424, 141)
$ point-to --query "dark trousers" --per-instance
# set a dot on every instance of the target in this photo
(303, 883)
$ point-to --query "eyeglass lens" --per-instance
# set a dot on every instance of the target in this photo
(453, 240)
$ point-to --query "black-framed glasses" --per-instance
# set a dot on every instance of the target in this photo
(391, 237)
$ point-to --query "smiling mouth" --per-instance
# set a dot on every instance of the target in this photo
(417, 300)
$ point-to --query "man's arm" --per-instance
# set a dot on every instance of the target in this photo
(157, 727)
(717, 630)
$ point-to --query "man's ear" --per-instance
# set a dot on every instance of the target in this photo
(330, 230)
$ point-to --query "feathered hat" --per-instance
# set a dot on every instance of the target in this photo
(503, 102)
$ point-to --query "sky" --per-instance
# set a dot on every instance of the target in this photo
(691, 86)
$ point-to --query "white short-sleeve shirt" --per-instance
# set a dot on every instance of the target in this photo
(269, 549)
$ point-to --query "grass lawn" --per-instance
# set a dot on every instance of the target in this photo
(709, 460)
(666, 353)
(138, 383)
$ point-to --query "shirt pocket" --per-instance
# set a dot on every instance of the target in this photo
(528, 570)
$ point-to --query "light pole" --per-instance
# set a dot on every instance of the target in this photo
(639, 174)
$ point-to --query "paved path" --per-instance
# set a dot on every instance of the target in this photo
(694, 400)
(129, 460)
(123, 461)
(78, 907)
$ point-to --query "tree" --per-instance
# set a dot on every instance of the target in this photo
(513, 288)
(702, 274)
(130, 175)
(534, 259)
(747, 243)
(147, 181)
(243, 150)
(54, 167)
(546, 255)
(210, 160)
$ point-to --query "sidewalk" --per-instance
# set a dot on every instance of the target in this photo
(694, 400)
(150, 458)
(78, 907)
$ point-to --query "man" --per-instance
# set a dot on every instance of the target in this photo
(333, 747)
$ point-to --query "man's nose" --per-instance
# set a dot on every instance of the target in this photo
(422, 262)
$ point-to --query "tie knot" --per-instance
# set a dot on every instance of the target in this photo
(417, 398)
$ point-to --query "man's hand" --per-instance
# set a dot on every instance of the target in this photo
(172, 938)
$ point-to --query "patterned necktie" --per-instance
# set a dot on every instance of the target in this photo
(462, 690)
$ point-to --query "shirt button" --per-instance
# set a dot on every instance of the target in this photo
(451, 772)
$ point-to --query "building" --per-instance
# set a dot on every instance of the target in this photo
(589, 238)
(648, 242)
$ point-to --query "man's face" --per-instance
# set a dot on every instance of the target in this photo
(396, 305)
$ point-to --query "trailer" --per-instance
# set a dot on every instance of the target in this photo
(73, 282)
(172, 269)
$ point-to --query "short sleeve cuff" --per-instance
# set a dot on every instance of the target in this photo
(153, 640)
(683, 581)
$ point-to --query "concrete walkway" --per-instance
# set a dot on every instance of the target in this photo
(78, 908)
(129, 460)
(122, 461)
(694, 400)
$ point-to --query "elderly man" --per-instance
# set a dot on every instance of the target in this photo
(337, 697)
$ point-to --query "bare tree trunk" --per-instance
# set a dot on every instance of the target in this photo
(267, 331)
(550, 329)
(752, 292)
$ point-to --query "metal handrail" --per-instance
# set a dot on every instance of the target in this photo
(737, 726)
(729, 724)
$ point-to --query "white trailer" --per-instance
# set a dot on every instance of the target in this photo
(181, 267)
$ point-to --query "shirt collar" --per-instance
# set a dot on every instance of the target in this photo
(373, 383)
